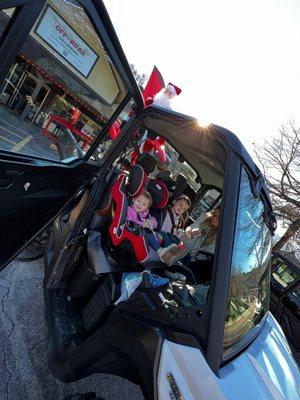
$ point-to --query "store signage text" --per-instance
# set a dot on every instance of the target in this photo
(62, 38)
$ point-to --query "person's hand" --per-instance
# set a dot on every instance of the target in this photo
(192, 232)
(196, 232)
(147, 224)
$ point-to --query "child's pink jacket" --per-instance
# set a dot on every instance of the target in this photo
(132, 215)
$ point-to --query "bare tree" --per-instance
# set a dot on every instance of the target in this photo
(279, 159)
(140, 78)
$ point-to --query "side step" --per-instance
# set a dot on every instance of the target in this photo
(67, 326)
(101, 303)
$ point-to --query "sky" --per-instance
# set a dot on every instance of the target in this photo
(236, 61)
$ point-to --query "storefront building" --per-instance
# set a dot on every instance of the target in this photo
(62, 67)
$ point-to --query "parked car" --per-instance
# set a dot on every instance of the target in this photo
(177, 336)
(285, 296)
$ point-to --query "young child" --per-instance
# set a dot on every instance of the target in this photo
(166, 241)
(176, 217)
(173, 228)
(138, 212)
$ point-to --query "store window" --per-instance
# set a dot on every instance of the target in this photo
(114, 132)
(62, 88)
(5, 15)
(248, 297)
(284, 275)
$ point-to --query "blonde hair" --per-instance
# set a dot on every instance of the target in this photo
(148, 196)
(208, 228)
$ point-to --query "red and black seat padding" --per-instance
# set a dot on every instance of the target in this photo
(159, 193)
(136, 181)
(125, 188)
(181, 186)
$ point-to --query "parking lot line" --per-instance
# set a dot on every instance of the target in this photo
(2, 137)
(14, 126)
(22, 143)
(8, 130)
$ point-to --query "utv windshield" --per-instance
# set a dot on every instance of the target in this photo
(248, 298)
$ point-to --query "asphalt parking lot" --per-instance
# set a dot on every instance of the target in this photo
(22, 136)
(23, 361)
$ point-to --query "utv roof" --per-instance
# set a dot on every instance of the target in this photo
(184, 130)
(183, 121)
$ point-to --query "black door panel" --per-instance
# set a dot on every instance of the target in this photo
(292, 304)
(273, 304)
(290, 315)
(31, 195)
(290, 324)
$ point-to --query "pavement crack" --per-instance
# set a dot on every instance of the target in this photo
(11, 330)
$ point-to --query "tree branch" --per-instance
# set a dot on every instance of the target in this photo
(289, 233)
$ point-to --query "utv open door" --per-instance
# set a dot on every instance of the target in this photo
(55, 56)
(168, 334)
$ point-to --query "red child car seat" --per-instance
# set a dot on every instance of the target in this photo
(125, 188)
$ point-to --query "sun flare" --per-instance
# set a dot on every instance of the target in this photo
(203, 123)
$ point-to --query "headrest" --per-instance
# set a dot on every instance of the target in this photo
(190, 192)
(147, 162)
(136, 181)
(166, 178)
(159, 193)
(180, 186)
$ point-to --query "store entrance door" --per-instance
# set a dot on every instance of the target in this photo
(32, 94)
(24, 96)
(13, 81)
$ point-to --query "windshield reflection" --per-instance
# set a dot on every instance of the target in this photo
(249, 281)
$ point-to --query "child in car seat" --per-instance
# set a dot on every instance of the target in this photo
(166, 240)
(173, 228)
(138, 216)
(138, 212)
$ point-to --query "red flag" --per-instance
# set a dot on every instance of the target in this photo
(154, 85)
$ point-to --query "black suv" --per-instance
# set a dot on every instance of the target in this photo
(285, 296)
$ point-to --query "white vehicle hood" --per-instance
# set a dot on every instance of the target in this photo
(268, 364)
